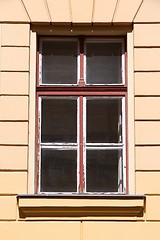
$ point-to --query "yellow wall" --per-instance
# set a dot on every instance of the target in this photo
(20, 22)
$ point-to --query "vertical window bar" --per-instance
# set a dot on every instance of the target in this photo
(81, 80)
(81, 146)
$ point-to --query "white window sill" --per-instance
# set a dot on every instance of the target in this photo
(83, 207)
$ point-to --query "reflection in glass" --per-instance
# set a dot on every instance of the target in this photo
(59, 120)
(102, 170)
(104, 62)
(59, 62)
(58, 171)
(104, 120)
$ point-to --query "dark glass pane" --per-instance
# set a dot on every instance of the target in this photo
(102, 170)
(103, 120)
(59, 120)
(104, 63)
(59, 62)
(58, 171)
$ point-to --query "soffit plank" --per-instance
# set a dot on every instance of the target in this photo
(13, 11)
(59, 10)
(37, 10)
(126, 11)
(103, 11)
(81, 11)
(148, 12)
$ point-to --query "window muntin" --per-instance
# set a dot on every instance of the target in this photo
(82, 126)
(103, 61)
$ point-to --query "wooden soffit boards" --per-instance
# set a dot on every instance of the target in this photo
(78, 12)
(148, 12)
(80, 207)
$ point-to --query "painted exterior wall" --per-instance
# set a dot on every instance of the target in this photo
(20, 23)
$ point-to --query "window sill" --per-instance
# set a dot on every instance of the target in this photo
(85, 207)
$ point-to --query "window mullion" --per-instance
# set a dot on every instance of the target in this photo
(81, 77)
(81, 145)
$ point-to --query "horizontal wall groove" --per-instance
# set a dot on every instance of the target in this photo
(150, 171)
(147, 145)
(13, 170)
(152, 194)
(140, 23)
(14, 71)
(13, 145)
(8, 194)
(147, 96)
(14, 46)
(147, 120)
(147, 71)
(14, 95)
(12, 121)
(146, 47)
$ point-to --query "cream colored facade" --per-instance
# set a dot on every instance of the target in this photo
(135, 216)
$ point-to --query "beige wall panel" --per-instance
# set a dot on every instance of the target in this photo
(60, 10)
(153, 208)
(126, 10)
(147, 108)
(14, 83)
(147, 158)
(147, 83)
(103, 10)
(37, 10)
(8, 208)
(13, 182)
(147, 182)
(12, 11)
(15, 59)
(41, 230)
(15, 34)
(14, 108)
(82, 11)
(146, 132)
(13, 157)
(120, 230)
(148, 12)
(146, 59)
(147, 34)
(14, 133)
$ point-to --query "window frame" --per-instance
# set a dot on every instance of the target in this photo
(83, 90)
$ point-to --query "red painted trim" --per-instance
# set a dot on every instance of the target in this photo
(81, 143)
(70, 93)
(80, 90)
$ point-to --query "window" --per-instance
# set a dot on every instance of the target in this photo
(81, 98)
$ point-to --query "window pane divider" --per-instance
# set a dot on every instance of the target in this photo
(104, 147)
(104, 144)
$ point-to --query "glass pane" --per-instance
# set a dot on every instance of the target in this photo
(58, 171)
(102, 170)
(59, 62)
(104, 120)
(59, 120)
(104, 63)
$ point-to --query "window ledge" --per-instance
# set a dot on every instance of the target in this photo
(81, 206)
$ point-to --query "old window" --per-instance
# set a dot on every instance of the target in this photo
(81, 98)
